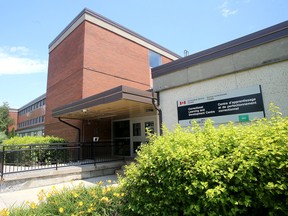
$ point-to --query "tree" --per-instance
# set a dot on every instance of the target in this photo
(5, 119)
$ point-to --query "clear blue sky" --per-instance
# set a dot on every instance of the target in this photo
(27, 28)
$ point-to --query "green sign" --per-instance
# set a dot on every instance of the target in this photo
(243, 118)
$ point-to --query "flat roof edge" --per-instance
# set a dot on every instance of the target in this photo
(103, 96)
(263, 36)
(82, 16)
(33, 101)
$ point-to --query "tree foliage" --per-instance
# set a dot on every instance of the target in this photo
(3, 136)
(229, 170)
(5, 119)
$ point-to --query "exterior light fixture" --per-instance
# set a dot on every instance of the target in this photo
(149, 110)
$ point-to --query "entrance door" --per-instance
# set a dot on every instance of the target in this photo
(138, 132)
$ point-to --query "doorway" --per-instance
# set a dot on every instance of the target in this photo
(128, 135)
(138, 132)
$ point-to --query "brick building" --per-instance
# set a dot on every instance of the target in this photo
(31, 117)
(99, 82)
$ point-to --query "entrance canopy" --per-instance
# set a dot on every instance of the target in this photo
(117, 103)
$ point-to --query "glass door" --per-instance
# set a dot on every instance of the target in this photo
(121, 137)
(138, 132)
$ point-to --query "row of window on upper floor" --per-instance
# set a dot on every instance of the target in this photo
(32, 107)
(31, 122)
(32, 133)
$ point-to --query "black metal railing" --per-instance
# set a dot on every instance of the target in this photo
(23, 158)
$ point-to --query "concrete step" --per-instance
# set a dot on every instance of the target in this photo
(33, 179)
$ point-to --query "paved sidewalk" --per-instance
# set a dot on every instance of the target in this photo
(17, 198)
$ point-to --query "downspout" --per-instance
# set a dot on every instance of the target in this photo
(73, 126)
(156, 105)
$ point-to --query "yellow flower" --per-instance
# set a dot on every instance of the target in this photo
(109, 181)
(80, 203)
(61, 210)
(4, 212)
(100, 182)
(108, 189)
(104, 199)
(75, 195)
(122, 194)
(104, 191)
(116, 194)
(33, 205)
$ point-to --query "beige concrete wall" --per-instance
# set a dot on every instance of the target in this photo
(273, 79)
(259, 56)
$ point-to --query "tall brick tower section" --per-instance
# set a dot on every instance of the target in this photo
(91, 55)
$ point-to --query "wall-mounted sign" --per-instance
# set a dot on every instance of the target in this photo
(240, 105)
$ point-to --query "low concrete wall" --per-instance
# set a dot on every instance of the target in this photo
(33, 179)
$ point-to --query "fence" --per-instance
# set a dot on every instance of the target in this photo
(23, 158)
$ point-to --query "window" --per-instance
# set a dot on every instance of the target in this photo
(137, 129)
(154, 59)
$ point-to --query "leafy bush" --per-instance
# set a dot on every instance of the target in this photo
(31, 150)
(33, 140)
(229, 170)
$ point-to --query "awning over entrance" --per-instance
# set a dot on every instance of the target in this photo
(117, 103)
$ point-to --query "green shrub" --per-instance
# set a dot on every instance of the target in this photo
(31, 150)
(33, 140)
(229, 170)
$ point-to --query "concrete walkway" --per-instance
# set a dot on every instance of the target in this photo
(17, 198)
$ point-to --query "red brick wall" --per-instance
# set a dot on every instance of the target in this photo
(113, 61)
(64, 84)
(165, 60)
(100, 128)
(59, 129)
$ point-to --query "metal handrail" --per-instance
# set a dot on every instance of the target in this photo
(30, 157)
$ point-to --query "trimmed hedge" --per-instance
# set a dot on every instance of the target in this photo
(34, 150)
(33, 140)
(229, 170)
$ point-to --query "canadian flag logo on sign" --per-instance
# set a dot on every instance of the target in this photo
(182, 103)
